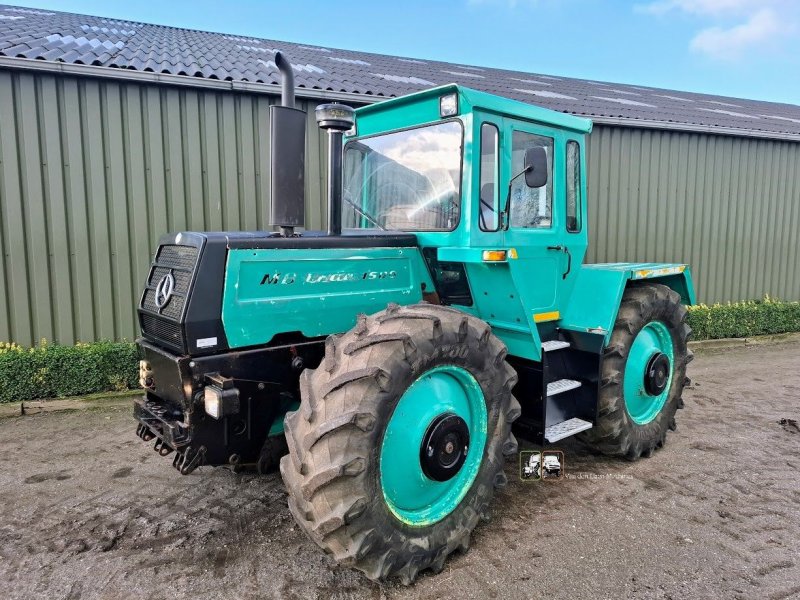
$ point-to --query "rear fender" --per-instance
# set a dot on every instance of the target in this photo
(598, 291)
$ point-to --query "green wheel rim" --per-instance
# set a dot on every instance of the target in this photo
(642, 406)
(410, 495)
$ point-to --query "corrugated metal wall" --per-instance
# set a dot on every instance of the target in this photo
(92, 172)
(729, 207)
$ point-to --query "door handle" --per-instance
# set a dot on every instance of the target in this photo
(565, 250)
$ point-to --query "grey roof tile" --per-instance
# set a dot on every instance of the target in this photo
(81, 39)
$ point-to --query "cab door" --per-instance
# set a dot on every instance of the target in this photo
(534, 226)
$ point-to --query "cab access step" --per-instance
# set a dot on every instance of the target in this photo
(562, 389)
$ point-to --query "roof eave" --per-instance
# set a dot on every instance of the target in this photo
(30, 64)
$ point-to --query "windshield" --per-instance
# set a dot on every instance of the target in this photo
(407, 180)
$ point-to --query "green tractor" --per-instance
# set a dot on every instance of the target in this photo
(392, 354)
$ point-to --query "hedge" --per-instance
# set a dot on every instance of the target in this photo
(53, 370)
(743, 319)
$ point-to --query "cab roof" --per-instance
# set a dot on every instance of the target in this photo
(470, 99)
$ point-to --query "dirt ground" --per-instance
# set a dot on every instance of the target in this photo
(90, 511)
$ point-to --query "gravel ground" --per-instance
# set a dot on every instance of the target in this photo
(90, 511)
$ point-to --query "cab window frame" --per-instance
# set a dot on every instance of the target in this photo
(573, 185)
(460, 180)
(496, 176)
(550, 191)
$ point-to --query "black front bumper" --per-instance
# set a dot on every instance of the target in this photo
(172, 410)
(160, 422)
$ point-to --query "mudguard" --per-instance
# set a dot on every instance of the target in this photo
(598, 292)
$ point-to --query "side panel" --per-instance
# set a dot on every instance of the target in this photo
(598, 291)
(314, 291)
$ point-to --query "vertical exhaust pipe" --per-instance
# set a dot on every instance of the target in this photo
(336, 119)
(287, 79)
(287, 155)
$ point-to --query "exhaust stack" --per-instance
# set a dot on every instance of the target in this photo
(287, 155)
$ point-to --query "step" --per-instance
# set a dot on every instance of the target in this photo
(562, 385)
(551, 345)
(562, 430)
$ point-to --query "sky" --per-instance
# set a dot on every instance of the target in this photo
(738, 48)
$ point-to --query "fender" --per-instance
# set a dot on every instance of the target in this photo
(598, 291)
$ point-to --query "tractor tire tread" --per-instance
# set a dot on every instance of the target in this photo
(615, 433)
(334, 443)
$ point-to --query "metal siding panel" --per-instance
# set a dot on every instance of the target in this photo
(789, 213)
(119, 223)
(95, 164)
(792, 249)
(77, 218)
(173, 153)
(229, 166)
(19, 327)
(247, 167)
(193, 162)
(261, 128)
(58, 235)
(155, 183)
(34, 208)
(212, 181)
(136, 191)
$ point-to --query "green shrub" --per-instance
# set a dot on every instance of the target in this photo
(743, 319)
(53, 370)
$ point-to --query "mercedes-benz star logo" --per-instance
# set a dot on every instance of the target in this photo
(164, 290)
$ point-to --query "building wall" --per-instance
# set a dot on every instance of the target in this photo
(729, 207)
(93, 171)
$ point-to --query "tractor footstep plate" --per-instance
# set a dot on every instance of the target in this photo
(552, 345)
(562, 385)
(559, 431)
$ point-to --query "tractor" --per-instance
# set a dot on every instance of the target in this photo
(387, 364)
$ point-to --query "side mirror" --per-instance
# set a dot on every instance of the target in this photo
(535, 167)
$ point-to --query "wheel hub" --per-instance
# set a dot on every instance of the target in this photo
(433, 446)
(444, 447)
(656, 374)
(648, 372)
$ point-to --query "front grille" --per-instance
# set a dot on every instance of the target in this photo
(174, 308)
(180, 257)
(164, 331)
(165, 324)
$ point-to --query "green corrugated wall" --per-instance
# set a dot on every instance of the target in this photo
(93, 171)
(728, 206)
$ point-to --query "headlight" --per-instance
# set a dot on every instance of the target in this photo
(220, 398)
(448, 105)
(212, 400)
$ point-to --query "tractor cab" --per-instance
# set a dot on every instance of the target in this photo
(493, 190)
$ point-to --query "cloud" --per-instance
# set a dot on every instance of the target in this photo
(734, 27)
(726, 44)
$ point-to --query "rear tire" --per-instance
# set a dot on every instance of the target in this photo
(626, 425)
(336, 438)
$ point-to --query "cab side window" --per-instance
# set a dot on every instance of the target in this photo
(573, 187)
(530, 207)
(489, 204)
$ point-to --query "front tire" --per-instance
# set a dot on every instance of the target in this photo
(360, 480)
(638, 394)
